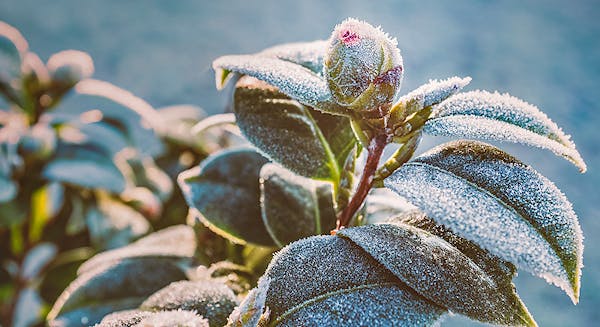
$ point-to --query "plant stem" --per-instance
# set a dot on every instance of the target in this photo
(374, 152)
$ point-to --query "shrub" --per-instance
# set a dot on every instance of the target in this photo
(404, 243)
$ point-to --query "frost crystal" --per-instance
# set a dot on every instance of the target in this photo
(495, 116)
(307, 54)
(436, 91)
(506, 207)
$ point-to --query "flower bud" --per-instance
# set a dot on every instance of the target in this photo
(363, 66)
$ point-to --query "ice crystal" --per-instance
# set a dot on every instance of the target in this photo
(295, 81)
(346, 270)
(440, 272)
(495, 116)
(180, 318)
(126, 318)
(212, 300)
(492, 199)
(436, 91)
(252, 311)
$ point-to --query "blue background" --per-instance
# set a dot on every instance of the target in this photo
(545, 52)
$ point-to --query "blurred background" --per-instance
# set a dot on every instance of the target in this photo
(545, 52)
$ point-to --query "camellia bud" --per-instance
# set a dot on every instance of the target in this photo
(363, 66)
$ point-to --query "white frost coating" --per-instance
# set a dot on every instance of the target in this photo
(307, 54)
(471, 126)
(479, 217)
(436, 91)
(174, 318)
(293, 80)
(252, 310)
(503, 107)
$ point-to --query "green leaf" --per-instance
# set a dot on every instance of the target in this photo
(489, 197)
(12, 47)
(294, 207)
(212, 300)
(295, 81)
(440, 272)
(224, 193)
(307, 142)
(435, 91)
(382, 204)
(8, 189)
(345, 284)
(85, 168)
(306, 54)
(501, 117)
(142, 171)
(174, 318)
(172, 242)
(119, 286)
(46, 203)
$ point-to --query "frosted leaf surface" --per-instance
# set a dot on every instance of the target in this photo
(295, 81)
(224, 194)
(212, 300)
(382, 204)
(118, 286)
(175, 241)
(294, 207)
(126, 318)
(440, 272)
(325, 276)
(308, 142)
(306, 54)
(436, 91)
(180, 318)
(492, 199)
(495, 116)
(252, 311)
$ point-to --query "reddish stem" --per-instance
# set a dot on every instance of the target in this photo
(374, 152)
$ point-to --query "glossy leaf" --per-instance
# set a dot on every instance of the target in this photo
(224, 194)
(307, 142)
(212, 300)
(119, 286)
(295, 81)
(488, 197)
(294, 207)
(172, 242)
(495, 116)
(440, 272)
(306, 54)
(345, 285)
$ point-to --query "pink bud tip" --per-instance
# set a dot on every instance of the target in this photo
(349, 37)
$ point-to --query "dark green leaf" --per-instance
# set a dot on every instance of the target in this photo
(303, 140)
(212, 300)
(345, 285)
(494, 116)
(489, 197)
(172, 242)
(118, 286)
(294, 207)
(224, 194)
(440, 272)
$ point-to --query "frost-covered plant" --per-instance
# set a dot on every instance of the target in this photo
(477, 213)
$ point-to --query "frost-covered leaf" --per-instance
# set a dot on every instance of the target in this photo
(308, 142)
(224, 193)
(345, 284)
(252, 311)
(306, 54)
(495, 116)
(440, 272)
(212, 300)
(68, 67)
(294, 207)
(104, 136)
(142, 171)
(295, 81)
(489, 197)
(172, 242)
(12, 47)
(382, 204)
(118, 286)
(180, 318)
(436, 91)
(125, 318)
(85, 168)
